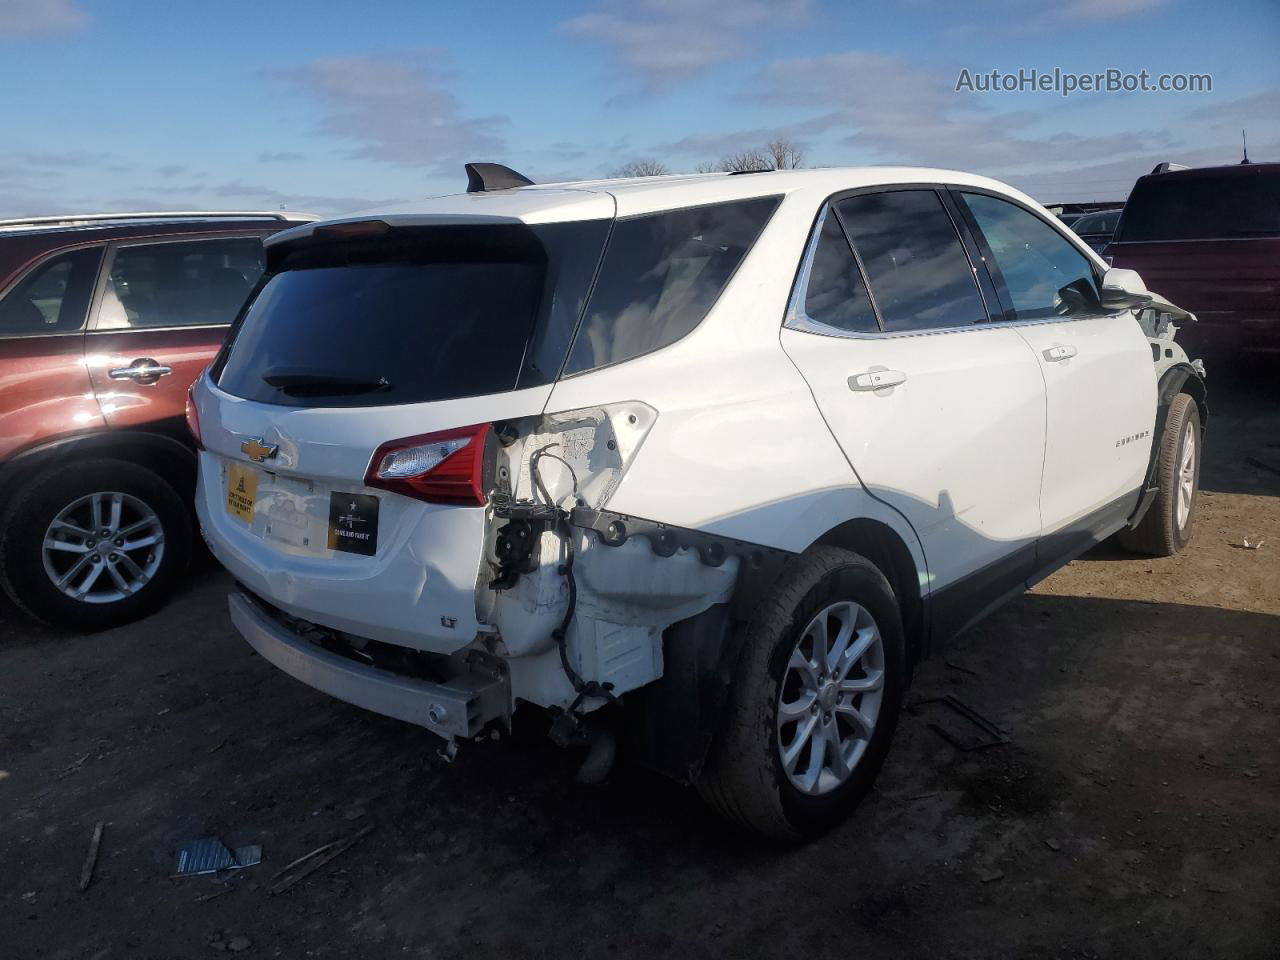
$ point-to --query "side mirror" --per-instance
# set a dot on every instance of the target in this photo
(1124, 290)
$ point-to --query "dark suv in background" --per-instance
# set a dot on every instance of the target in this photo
(1209, 240)
(105, 320)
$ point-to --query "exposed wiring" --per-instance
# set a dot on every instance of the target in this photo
(536, 475)
(583, 688)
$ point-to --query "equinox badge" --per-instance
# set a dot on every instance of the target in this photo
(256, 450)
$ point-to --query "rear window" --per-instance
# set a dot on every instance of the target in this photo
(661, 275)
(416, 315)
(1232, 206)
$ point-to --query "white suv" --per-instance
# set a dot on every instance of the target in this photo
(707, 462)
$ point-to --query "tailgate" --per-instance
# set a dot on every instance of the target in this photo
(302, 530)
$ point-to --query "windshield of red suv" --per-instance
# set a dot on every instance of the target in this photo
(1204, 207)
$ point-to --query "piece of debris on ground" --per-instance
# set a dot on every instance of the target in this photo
(91, 858)
(210, 855)
(309, 863)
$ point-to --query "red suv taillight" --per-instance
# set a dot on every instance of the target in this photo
(443, 467)
(193, 418)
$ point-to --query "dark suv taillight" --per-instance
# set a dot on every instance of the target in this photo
(447, 466)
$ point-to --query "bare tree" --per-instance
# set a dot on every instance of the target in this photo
(642, 168)
(784, 154)
(744, 161)
(779, 154)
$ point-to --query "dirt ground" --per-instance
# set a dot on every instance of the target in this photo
(1134, 811)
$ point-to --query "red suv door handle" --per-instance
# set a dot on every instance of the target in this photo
(143, 370)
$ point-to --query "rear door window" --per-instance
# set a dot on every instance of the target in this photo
(835, 295)
(53, 297)
(179, 284)
(1045, 274)
(661, 275)
(918, 272)
(1236, 206)
(416, 315)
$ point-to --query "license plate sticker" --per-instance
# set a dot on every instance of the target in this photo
(242, 491)
(353, 523)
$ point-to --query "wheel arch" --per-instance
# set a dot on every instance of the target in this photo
(884, 547)
(1184, 379)
(164, 455)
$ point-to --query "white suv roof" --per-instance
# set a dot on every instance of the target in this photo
(598, 199)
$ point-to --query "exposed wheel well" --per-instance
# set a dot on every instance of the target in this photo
(165, 456)
(883, 547)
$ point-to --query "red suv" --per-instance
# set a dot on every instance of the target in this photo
(1209, 240)
(104, 322)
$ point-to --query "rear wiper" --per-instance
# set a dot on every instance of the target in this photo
(322, 382)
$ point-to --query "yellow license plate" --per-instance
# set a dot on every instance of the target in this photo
(242, 491)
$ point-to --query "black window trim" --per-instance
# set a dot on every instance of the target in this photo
(1010, 317)
(108, 261)
(778, 198)
(795, 317)
(39, 262)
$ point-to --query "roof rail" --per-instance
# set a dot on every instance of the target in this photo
(74, 219)
(1169, 167)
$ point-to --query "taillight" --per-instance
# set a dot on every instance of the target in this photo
(443, 467)
(193, 417)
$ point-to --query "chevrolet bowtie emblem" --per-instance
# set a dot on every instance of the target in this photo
(256, 450)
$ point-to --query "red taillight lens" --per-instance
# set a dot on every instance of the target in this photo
(442, 467)
(193, 417)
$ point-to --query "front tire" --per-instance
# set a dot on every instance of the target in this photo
(1166, 527)
(814, 701)
(94, 544)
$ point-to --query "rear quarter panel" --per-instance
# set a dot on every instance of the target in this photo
(739, 448)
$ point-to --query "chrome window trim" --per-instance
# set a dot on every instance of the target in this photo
(804, 324)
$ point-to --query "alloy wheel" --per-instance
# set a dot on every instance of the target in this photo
(103, 547)
(1186, 475)
(830, 698)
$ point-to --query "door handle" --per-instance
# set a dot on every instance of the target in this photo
(1054, 354)
(141, 369)
(877, 380)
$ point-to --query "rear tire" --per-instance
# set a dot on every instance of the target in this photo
(1166, 527)
(748, 777)
(45, 533)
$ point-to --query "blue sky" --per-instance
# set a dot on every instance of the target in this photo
(109, 104)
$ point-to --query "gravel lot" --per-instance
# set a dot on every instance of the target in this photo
(1134, 812)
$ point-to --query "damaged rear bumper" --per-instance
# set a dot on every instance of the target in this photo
(458, 707)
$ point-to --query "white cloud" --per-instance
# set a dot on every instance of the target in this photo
(657, 44)
(29, 18)
(1099, 10)
(397, 110)
(891, 110)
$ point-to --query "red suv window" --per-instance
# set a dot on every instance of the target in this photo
(53, 297)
